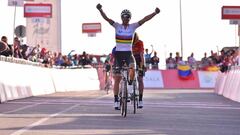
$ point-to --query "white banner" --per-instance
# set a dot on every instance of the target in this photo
(153, 79)
(207, 79)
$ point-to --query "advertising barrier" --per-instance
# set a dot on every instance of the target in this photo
(207, 79)
(228, 85)
(20, 81)
(153, 79)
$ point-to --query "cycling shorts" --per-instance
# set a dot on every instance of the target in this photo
(121, 56)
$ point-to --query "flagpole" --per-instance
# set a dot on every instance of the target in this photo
(181, 39)
(14, 21)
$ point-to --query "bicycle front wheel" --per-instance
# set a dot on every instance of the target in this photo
(124, 100)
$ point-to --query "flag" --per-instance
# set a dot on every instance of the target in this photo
(211, 68)
(184, 72)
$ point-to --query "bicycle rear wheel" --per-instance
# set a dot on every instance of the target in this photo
(135, 98)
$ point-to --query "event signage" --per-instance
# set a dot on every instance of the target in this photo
(91, 27)
(153, 79)
(231, 12)
(207, 79)
(18, 3)
(38, 10)
(234, 21)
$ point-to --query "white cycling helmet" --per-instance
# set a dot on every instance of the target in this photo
(126, 13)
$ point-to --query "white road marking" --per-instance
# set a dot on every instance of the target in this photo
(37, 123)
(19, 109)
(25, 129)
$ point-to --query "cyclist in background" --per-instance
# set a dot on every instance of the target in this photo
(107, 75)
(124, 37)
(138, 53)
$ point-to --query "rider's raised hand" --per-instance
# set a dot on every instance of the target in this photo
(157, 10)
(99, 6)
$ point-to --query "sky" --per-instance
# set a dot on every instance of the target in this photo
(203, 29)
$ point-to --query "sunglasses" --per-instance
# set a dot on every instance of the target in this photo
(126, 16)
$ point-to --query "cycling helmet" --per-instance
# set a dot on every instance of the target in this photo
(126, 13)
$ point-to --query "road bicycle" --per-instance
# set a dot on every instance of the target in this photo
(108, 83)
(124, 94)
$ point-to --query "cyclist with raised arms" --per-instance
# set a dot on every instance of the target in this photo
(124, 38)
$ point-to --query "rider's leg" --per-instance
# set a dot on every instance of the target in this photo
(117, 79)
(132, 66)
(141, 86)
(131, 74)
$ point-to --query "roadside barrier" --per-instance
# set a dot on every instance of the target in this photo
(169, 79)
(228, 84)
(21, 81)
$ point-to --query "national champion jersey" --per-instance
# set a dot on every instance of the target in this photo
(124, 36)
(138, 47)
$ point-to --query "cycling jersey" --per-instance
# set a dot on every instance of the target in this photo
(137, 50)
(124, 36)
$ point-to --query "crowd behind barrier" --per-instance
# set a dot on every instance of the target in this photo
(228, 84)
(44, 57)
(229, 56)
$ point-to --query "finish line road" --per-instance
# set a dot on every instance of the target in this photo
(165, 112)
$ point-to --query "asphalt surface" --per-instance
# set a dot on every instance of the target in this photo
(165, 112)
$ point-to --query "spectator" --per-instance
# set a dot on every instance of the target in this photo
(23, 51)
(192, 61)
(170, 62)
(7, 49)
(147, 57)
(226, 63)
(204, 61)
(66, 61)
(16, 45)
(237, 58)
(177, 58)
(214, 58)
(155, 61)
(74, 60)
(59, 60)
(84, 60)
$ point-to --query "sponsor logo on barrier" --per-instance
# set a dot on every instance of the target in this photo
(207, 79)
(153, 79)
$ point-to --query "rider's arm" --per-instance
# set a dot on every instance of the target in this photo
(99, 7)
(148, 17)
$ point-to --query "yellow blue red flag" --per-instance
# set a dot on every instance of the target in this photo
(212, 68)
(184, 72)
